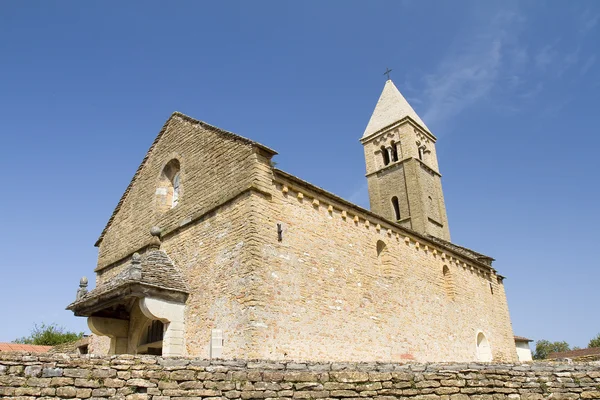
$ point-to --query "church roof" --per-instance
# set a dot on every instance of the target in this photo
(391, 107)
(157, 271)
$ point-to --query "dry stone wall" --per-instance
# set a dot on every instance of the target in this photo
(59, 376)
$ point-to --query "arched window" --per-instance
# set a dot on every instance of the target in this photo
(175, 190)
(168, 192)
(394, 151)
(448, 283)
(386, 156)
(484, 352)
(396, 208)
(433, 209)
(421, 153)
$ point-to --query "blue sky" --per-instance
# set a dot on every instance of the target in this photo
(511, 90)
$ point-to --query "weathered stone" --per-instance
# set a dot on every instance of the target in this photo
(193, 385)
(61, 381)
(33, 370)
(76, 373)
(140, 383)
(51, 372)
(308, 385)
(104, 392)
(137, 396)
(39, 382)
(343, 393)
(232, 394)
(113, 383)
(66, 392)
(87, 383)
(183, 375)
(591, 394)
(304, 376)
(104, 373)
(348, 376)
(83, 393)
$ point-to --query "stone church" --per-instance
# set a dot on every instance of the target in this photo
(214, 252)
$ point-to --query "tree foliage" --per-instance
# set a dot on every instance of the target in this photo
(595, 342)
(49, 335)
(545, 347)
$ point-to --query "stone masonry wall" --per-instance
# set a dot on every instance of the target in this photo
(329, 296)
(410, 179)
(215, 167)
(58, 376)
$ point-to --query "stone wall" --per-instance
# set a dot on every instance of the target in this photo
(52, 376)
(215, 167)
(327, 296)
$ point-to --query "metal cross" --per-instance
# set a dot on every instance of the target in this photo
(387, 72)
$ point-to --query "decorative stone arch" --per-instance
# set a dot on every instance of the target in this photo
(385, 154)
(483, 348)
(168, 190)
(117, 330)
(150, 338)
(171, 314)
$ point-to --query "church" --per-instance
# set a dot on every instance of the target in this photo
(214, 252)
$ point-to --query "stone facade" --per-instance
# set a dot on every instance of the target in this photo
(273, 267)
(29, 377)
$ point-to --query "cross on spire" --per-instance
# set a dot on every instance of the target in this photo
(387, 72)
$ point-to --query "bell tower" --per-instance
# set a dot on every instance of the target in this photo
(404, 181)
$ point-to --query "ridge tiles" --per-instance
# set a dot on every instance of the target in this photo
(391, 107)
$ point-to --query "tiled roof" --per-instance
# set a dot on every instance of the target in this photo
(32, 348)
(522, 339)
(203, 124)
(592, 351)
(157, 270)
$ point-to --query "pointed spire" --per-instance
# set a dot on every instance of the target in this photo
(391, 107)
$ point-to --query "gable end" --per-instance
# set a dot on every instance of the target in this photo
(226, 134)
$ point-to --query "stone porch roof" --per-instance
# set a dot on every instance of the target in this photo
(153, 271)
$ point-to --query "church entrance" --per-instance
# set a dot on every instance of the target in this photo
(151, 341)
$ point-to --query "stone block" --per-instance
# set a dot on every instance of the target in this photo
(51, 372)
(66, 392)
(349, 376)
(33, 370)
(76, 373)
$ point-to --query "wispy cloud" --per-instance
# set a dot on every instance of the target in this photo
(472, 69)
(500, 57)
(588, 21)
(550, 60)
(545, 57)
(588, 64)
